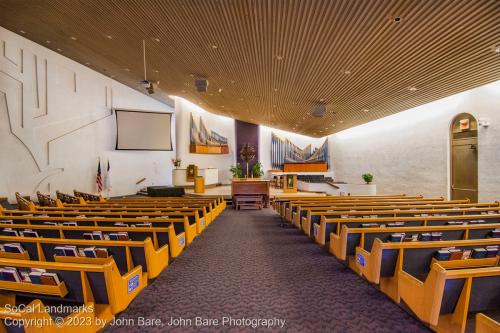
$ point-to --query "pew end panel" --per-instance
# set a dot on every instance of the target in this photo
(485, 324)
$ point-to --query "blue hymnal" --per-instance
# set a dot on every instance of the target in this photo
(425, 237)
(59, 251)
(442, 255)
(397, 237)
(479, 253)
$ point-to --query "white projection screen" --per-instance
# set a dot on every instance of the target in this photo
(143, 130)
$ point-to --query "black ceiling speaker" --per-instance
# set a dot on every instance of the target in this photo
(201, 85)
(319, 110)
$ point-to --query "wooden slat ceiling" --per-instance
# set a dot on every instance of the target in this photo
(270, 61)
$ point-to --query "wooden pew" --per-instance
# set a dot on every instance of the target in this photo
(160, 236)
(312, 215)
(321, 231)
(447, 296)
(81, 283)
(192, 216)
(290, 207)
(334, 226)
(294, 206)
(344, 245)
(386, 261)
(126, 254)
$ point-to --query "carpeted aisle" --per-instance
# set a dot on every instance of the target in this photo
(245, 266)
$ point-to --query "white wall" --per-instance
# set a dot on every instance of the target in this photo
(409, 152)
(222, 125)
(265, 143)
(56, 121)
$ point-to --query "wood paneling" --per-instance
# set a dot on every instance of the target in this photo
(271, 61)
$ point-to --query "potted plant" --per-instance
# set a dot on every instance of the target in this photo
(176, 162)
(257, 171)
(367, 177)
(236, 171)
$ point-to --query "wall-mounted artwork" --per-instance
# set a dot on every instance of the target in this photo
(286, 155)
(203, 141)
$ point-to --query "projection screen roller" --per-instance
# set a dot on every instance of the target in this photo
(141, 130)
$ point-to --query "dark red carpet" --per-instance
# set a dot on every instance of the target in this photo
(246, 267)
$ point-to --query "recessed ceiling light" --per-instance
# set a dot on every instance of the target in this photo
(47, 41)
(341, 121)
(347, 72)
(496, 48)
(366, 110)
(279, 57)
(73, 38)
(412, 88)
(59, 50)
(155, 70)
(127, 70)
(214, 46)
(22, 31)
(87, 63)
(220, 90)
(321, 100)
(275, 89)
(222, 106)
(109, 37)
(156, 40)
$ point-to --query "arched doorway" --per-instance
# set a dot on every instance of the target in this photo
(464, 153)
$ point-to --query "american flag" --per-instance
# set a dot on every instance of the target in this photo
(98, 179)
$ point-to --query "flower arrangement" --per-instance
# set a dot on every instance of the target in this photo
(176, 162)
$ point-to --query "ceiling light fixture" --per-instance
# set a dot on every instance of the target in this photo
(220, 90)
(279, 57)
(73, 38)
(109, 37)
(496, 48)
(412, 88)
(347, 72)
(22, 31)
(366, 110)
(215, 47)
(87, 63)
(126, 70)
(156, 40)
(59, 50)
(47, 41)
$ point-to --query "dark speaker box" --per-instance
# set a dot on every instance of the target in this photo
(166, 191)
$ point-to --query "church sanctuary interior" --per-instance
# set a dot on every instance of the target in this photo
(250, 166)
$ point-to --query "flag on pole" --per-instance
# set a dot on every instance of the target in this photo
(107, 178)
(98, 179)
